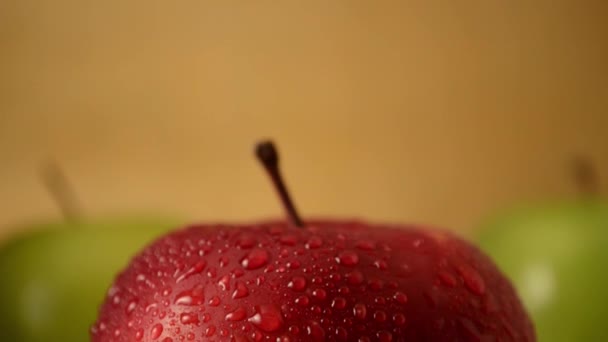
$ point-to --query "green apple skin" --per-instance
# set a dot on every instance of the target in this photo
(54, 278)
(557, 257)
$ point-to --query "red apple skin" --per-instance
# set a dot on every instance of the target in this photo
(328, 281)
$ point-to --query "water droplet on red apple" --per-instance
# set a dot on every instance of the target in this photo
(297, 283)
(355, 277)
(399, 319)
(224, 261)
(293, 265)
(360, 311)
(348, 258)
(315, 331)
(255, 259)
(384, 336)
(116, 300)
(314, 242)
(381, 264)
(446, 278)
(210, 331)
(156, 331)
(319, 294)
(472, 279)
(335, 277)
(338, 303)
(276, 230)
(206, 317)
(284, 253)
(139, 334)
(267, 318)
(194, 296)
(112, 291)
(214, 301)
(348, 322)
(131, 307)
(238, 272)
(224, 283)
(257, 336)
(240, 291)
(197, 268)
(237, 315)
(400, 297)
(376, 284)
(341, 334)
(366, 245)
(294, 330)
(246, 241)
(188, 318)
(288, 239)
(302, 301)
(344, 290)
(150, 307)
(380, 316)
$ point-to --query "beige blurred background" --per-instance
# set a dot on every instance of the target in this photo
(427, 111)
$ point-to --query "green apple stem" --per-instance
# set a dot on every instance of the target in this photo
(586, 177)
(61, 191)
(267, 154)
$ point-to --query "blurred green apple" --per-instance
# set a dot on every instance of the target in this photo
(557, 256)
(55, 277)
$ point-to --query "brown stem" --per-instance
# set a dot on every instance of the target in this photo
(269, 157)
(585, 176)
(61, 191)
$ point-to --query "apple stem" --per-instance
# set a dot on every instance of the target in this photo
(61, 191)
(585, 175)
(269, 157)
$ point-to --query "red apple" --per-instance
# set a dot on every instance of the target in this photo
(313, 280)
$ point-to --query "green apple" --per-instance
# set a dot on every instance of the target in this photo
(557, 256)
(54, 278)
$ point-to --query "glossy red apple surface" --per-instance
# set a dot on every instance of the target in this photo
(311, 281)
